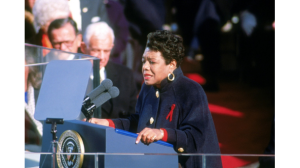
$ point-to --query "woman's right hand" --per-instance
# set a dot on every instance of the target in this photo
(98, 121)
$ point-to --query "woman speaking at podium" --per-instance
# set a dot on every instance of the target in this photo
(171, 107)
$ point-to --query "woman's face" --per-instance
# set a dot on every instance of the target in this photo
(155, 68)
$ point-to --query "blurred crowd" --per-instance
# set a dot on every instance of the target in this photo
(200, 23)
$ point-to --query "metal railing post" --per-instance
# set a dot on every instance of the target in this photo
(203, 161)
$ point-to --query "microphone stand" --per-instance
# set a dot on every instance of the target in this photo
(88, 109)
(54, 121)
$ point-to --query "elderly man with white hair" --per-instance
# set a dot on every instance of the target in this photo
(45, 11)
(98, 41)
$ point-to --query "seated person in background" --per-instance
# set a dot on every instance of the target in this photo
(98, 41)
(170, 106)
(33, 127)
(63, 35)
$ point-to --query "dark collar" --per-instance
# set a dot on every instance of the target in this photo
(165, 83)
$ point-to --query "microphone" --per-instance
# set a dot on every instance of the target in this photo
(105, 96)
(88, 109)
(105, 85)
(114, 92)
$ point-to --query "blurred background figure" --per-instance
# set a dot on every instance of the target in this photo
(63, 35)
(248, 22)
(98, 41)
(257, 56)
(29, 31)
(29, 28)
(197, 22)
(44, 12)
(33, 127)
(29, 5)
(144, 17)
(256, 41)
(85, 12)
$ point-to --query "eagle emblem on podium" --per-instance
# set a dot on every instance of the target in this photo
(69, 145)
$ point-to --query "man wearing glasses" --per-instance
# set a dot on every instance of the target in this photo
(63, 35)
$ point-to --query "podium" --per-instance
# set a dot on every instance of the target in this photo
(60, 100)
(118, 143)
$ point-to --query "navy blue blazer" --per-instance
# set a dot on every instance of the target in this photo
(191, 128)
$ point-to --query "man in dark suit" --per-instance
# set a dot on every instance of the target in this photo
(98, 41)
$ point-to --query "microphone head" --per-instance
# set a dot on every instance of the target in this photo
(107, 84)
(104, 86)
(114, 92)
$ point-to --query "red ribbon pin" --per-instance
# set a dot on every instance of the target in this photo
(170, 115)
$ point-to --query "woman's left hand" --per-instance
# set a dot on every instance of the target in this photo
(149, 135)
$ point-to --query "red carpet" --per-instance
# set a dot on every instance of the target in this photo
(228, 161)
(233, 162)
(196, 77)
(223, 110)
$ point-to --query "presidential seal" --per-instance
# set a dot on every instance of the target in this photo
(70, 142)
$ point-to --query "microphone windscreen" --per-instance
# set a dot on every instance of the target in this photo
(114, 92)
(105, 85)
(102, 98)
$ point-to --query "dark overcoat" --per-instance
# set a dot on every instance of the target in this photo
(190, 127)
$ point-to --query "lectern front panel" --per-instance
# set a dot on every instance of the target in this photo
(119, 146)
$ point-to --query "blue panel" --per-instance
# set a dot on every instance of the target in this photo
(135, 136)
(63, 89)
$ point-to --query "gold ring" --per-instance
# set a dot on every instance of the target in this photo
(154, 137)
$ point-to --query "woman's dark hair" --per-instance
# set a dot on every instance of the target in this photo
(168, 44)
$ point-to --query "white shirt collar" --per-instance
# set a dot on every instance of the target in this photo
(102, 73)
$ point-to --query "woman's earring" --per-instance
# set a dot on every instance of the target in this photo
(169, 77)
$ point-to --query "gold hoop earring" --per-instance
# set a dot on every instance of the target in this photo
(171, 79)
